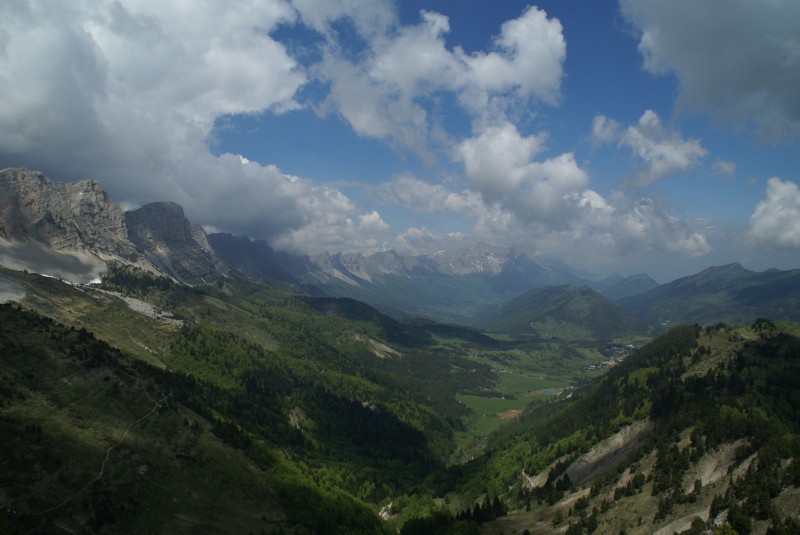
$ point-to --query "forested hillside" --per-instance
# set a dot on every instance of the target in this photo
(568, 312)
(697, 430)
(94, 441)
(328, 410)
(730, 294)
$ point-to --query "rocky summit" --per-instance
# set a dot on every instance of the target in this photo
(170, 242)
(80, 217)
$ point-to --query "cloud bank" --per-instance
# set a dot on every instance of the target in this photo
(129, 92)
(737, 59)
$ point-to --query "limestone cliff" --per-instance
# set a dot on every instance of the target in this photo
(41, 221)
(168, 239)
(77, 216)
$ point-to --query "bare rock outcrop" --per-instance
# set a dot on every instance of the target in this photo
(77, 216)
(45, 224)
(169, 240)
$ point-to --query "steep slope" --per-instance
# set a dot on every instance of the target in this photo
(569, 312)
(169, 241)
(95, 442)
(254, 258)
(79, 215)
(306, 390)
(730, 294)
(63, 230)
(696, 429)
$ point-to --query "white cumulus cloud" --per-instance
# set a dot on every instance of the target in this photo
(725, 168)
(605, 130)
(527, 62)
(662, 150)
(383, 90)
(424, 197)
(628, 224)
(500, 163)
(775, 221)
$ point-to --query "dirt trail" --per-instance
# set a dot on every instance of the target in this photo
(541, 478)
(103, 465)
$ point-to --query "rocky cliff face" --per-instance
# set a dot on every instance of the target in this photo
(41, 218)
(158, 223)
(78, 215)
(169, 240)
(481, 259)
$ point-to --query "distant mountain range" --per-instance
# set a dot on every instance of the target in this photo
(72, 230)
(723, 294)
(730, 294)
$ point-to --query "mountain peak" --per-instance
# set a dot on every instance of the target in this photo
(170, 241)
(161, 222)
(570, 311)
(627, 286)
(614, 278)
(716, 275)
(78, 215)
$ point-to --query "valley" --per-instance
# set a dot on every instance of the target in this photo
(200, 383)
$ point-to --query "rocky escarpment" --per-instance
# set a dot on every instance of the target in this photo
(158, 223)
(70, 230)
(77, 216)
(168, 239)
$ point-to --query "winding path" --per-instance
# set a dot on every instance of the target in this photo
(103, 465)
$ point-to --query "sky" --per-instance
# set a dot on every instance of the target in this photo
(616, 136)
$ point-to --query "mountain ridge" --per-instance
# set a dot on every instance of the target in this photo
(72, 230)
(80, 220)
(729, 293)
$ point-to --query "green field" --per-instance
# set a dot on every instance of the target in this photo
(534, 373)
(521, 383)
(486, 419)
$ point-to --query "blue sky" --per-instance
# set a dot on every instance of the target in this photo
(624, 136)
